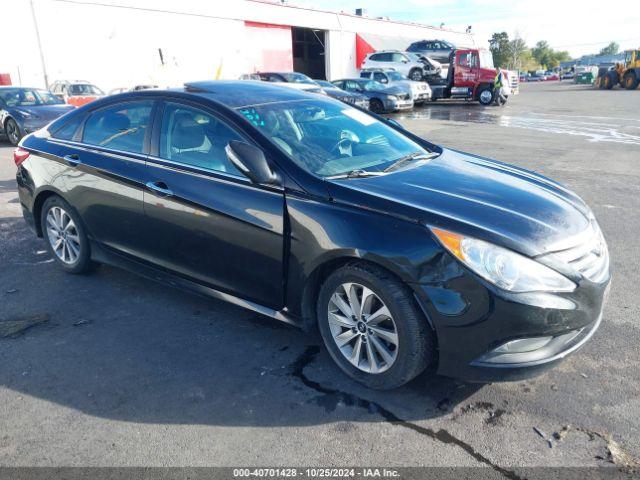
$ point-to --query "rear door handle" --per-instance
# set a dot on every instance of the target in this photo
(72, 159)
(159, 188)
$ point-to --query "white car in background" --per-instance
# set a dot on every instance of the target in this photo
(420, 91)
(401, 62)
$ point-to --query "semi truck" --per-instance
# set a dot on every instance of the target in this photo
(471, 76)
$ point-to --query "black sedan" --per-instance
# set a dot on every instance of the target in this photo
(25, 110)
(352, 98)
(406, 255)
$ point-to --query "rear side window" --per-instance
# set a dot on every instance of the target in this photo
(193, 137)
(121, 127)
(68, 130)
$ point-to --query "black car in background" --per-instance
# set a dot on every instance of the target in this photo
(439, 50)
(382, 99)
(406, 255)
(352, 98)
(25, 110)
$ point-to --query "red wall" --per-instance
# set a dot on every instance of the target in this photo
(362, 49)
(5, 79)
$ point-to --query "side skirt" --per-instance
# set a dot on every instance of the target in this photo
(102, 254)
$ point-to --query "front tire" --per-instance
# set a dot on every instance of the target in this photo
(485, 96)
(415, 74)
(372, 328)
(65, 236)
(631, 81)
(376, 106)
(12, 131)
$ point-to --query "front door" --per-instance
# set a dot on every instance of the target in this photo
(205, 220)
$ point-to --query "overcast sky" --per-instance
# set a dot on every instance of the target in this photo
(581, 27)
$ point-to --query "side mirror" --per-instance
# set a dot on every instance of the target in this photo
(251, 162)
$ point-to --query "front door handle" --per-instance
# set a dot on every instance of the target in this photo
(72, 159)
(159, 188)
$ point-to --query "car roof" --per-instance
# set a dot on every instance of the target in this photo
(232, 93)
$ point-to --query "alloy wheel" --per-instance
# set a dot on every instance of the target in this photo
(486, 96)
(12, 132)
(63, 235)
(363, 328)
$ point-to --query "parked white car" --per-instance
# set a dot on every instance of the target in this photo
(399, 61)
(420, 91)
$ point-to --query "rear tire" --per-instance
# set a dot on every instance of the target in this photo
(607, 82)
(65, 236)
(381, 349)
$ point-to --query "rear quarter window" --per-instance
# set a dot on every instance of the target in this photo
(121, 127)
(68, 129)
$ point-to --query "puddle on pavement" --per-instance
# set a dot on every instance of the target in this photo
(606, 130)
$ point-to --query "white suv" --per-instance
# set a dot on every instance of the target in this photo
(397, 60)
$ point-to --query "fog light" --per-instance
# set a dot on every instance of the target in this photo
(523, 345)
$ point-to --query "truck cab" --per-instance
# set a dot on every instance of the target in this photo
(471, 76)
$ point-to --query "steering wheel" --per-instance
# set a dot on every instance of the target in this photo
(344, 146)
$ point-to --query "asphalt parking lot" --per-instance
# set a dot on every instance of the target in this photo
(119, 371)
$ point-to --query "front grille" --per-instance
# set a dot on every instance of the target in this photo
(589, 256)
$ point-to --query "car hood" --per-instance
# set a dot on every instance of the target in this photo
(498, 202)
(391, 90)
(45, 112)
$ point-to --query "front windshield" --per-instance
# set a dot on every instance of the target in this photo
(25, 97)
(325, 84)
(373, 86)
(396, 76)
(296, 78)
(328, 138)
(84, 89)
(486, 59)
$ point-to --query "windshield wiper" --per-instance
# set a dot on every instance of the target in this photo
(410, 157)
(355, 174)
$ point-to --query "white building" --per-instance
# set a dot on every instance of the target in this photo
(120, 43)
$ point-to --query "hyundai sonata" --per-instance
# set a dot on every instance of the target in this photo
(407, 256)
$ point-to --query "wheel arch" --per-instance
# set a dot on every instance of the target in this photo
(38, 202)
(327, 266)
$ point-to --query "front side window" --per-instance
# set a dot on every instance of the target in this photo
(193, 137)
(120, 127)
(327, 138)
(398, 57)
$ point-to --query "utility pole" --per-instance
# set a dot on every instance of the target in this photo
(44, 66)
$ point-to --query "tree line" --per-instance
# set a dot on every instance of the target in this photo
(516, 55)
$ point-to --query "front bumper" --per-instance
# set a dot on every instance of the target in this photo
(396, 105)
(421, 96)
(473, 320)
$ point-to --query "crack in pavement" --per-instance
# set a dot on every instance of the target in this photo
(350, 399)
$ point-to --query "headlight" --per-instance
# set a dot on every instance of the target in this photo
(505, 269)
(392, 97)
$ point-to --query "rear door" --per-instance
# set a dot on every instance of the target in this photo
(205, 220)
(103, 171)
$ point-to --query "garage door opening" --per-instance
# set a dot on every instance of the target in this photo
(309, 52)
